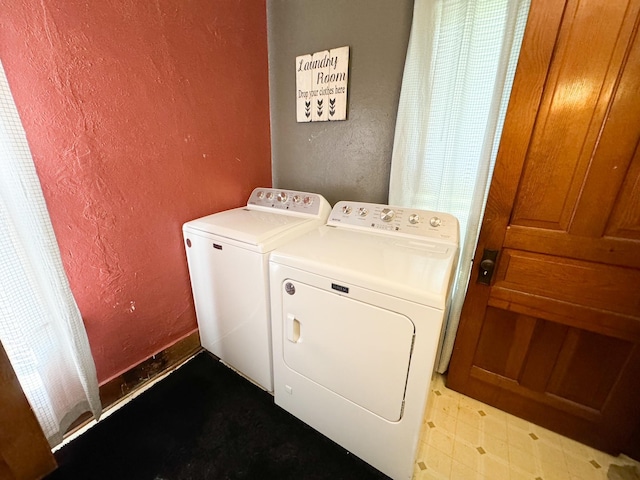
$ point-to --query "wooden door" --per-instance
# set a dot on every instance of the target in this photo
(555, 338)
(24, 451)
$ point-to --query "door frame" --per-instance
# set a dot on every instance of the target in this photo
(24, 451)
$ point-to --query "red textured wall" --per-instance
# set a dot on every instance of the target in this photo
(140, 116)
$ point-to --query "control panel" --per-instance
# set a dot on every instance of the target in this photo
(395, 220)
(289, 200)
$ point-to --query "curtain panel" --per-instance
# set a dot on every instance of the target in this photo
(456, 84)
(40, 325)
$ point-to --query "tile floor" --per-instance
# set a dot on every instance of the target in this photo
(464, 439)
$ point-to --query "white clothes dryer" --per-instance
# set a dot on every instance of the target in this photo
(228, 258)
(357, 309)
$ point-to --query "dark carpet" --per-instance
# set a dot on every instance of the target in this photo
(205, 422)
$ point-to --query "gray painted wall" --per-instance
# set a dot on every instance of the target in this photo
(346, 160)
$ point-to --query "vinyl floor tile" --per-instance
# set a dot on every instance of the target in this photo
(464, 439)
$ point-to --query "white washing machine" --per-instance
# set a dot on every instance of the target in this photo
(228, 257)
(357, 309)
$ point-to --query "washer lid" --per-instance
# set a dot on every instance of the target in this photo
(416, 270)
(254, 227)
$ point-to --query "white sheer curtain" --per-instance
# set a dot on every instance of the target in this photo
(40, 325)
(455, 89)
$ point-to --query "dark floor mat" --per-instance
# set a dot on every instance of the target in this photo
(205, 422)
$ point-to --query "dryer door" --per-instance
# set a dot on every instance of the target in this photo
(354, 349)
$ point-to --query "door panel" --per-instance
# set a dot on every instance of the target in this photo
(589, 284)
(556, 337)
(576, 93)
(549, 358)
(625, 219)
(581, 374)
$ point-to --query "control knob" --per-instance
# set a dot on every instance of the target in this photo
(414, 218)
(387, 215)
(261, 194)
(296, 199)
(435, 221)
(269, 195)
(346, 210)
(363, 212)
(307, 200)
(282, 197)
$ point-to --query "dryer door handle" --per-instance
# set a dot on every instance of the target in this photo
(293, 328)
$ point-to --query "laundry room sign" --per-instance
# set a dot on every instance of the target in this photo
(321, 85)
